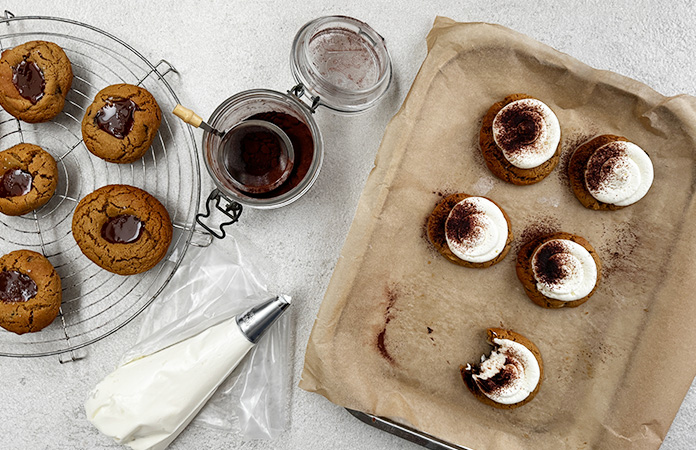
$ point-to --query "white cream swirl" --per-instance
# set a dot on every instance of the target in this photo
(509, 375)
(476, 230)
(564, 270)
(527, 132)
(619, 173)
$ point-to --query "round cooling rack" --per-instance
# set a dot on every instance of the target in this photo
(96, 303)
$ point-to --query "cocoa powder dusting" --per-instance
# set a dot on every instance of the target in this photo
(602, 164)
(539, 226)
(568, 147)
(520, 124)
(551, 263)
(616, 254)
(463, 225)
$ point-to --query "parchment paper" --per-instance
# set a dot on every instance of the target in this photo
(398, 319)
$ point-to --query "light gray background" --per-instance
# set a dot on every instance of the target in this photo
(221, 48)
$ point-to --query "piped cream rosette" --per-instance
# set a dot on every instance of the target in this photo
(619, 173)
(476, 230)
(527, 132)
(564, 270)
(509, 375)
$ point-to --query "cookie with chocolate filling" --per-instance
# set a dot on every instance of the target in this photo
(609, 172)
(511, 376)
(520, 139)
(558, 270)
(121, 123)
(122, 229)
(35, 77)
(28, 179)
(470, 231)
(30, 292)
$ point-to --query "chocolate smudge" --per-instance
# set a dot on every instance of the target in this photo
(390, 292)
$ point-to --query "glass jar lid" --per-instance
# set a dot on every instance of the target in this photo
(342, 62)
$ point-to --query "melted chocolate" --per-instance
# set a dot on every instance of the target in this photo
(116, 117)
(124, 229)
(551, 263)
(256, 160)
(464, 225)
(507, 375)
(302, 143)
(16, 287)
(29, 81)
(15, 183)
(520, 126)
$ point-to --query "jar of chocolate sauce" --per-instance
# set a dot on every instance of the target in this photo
(339, 63)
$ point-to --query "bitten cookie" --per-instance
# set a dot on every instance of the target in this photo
(511, 376)
(35, 77)
(122, 229)
(520, 139)
(30, 292)
(121, 123)
(470, 231)
(28, 179)
(609, 173)
(558, 270)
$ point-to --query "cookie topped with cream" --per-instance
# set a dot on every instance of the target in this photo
(609, 173)
(470, 231)
(558, 270)
(527, 132)
(520, 139)
(510, 376)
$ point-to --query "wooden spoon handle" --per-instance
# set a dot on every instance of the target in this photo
(187, 116)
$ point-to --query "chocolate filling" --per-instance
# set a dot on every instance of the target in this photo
(493, 385)
(15, 183)
(602, 165)
(124, 229)
(16, 287)
(116, 117)
(29, 81)
(520, 125)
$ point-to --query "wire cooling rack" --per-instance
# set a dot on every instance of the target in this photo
(96, 303)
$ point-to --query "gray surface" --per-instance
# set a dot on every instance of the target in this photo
(222, 48)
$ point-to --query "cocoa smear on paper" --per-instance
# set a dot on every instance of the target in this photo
(391, 294)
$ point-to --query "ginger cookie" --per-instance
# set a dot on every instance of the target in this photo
(511, 376)
(30, 292)
(122, 229)
(28, 179)
(609, 173)
(559, 270)
(35, 77)
(121, 123)
(470, 231)
(520, 139)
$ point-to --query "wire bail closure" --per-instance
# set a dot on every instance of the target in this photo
(299, 91)
(231, 209)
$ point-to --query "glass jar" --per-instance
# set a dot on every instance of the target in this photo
(338, 62)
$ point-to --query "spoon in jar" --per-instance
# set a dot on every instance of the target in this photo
(257, 155)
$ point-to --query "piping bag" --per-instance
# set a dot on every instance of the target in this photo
(147, 402)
